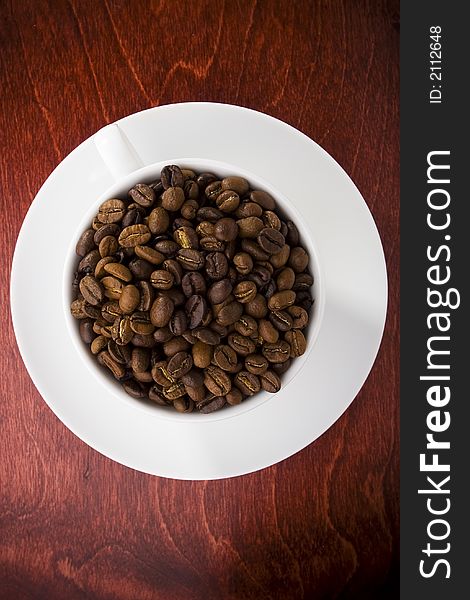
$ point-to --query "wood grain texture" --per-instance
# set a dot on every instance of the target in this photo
(321, 525)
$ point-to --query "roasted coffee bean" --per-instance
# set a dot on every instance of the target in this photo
(197, 394)
(109, 229)
(206, 335)
(285, 279)
(121, 331)
(237, 184)
(264, 199)
(112, 287)
(227, 201)
(110, 310)
(161, 375)
(86, 330)
(174, 391)
(217, 381)
(270, 219)
(91, 290)
(172, 176)
(256, 364)
(212, 244)
(191, 192)
(86, 242)
(213, 190)
(292, 236)
(211, 404)
(190, 207)
(158, 220)
(129, 299)
(111, 211)
(297, 342)
(281, 320)
(190, 259)
(257, 308)
(174, 345)
(179, 222)
(175, 295)
(178, 322)
(149, 254)
(281, 300)
(161, 311)
(303, 282)
(117, 270)
(77, 308)
(204, 179)
(186, 237)
(225, 357)
(183, 404)
(267, 331)
(116, 369)
(241, 344)
(216, 265)
(243, 263)
(254, 249)
(156, 395)
(209, 213)
(230, 314)
(134, 235)
(179, 364)
(142, 194)
(298, 259)
(269, 289)
(147, 295)
(226, 230)
(230, 251)
(202, 354)
(205, 229)
(121, 354)
(189, 337)
(248, 209)
(134, 389)
(162, 335)
(246, 326)
(280, 259)
(247, 383)
(299, 317)
(196, 309)
(234, 397)
(194, 378)
(161, 279)
(304, 300)
(98, 343)
(276, 353)
(271, 240)
(250, 227)
(281, 368)
(140, 323)
(173, 199)
(133, 216)
(219, 291)
(193, 283)
(88, 263)
(245, 291)
(270, 382)
(188, 174)
(172, 266)
(143, 341)
(140, 360)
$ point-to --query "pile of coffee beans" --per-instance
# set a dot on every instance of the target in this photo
(193, 291)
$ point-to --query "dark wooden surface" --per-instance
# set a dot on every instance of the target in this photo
(323, 524)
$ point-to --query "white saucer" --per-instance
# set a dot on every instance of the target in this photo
(354, 283)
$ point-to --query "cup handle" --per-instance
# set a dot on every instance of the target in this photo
(116, 151)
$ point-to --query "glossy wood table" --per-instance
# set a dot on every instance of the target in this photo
(323, 524)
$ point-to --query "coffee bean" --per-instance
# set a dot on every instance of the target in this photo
(271, 240)
(156, 395)
(110, 310)
(205, 229)
(281, 300)
(257, 308)
(226, 229)
(270, 219)
(142, 194)
(140, 360)
(202, 354)
(88, 263)
(190, 259)
(196, 309)
(248, 209)
(86, 242)
(209, 213)
(298, 259)
(206, 335)
(174, 391)
(161, 279)
(217, 381)
(303, 282)
(98, 344)
(111, 211)
(246, 326)
(86, 330)
(245, 291)
(178, 322)
(175, 295)
(129, 299)
(173, 199)
(143, 341)
(183, 404)
(230, 314)
(256, 364)
(276, 353)
(134, 235)
(281, 320)
(212, 244)
(234, 397)
(162, 335)
(121, 331)
(140, 323)
(280, 259)
(292, 236)
(228, 201)
(243, 263)
(109, 229)
(91, 290)
(216, 265)
(249, 227)
(211, 404)
(241, 344)
(270, 382)
(133, 216)
(149, 254)
(254, 249)
(134, 389)
(179, 364)
(219, 291)
(161, 311)
(193, 283)
(247, 383)
(158, 220)
(267, 331)
(161, 375)
(118, 271)
(77, 308)
(121, 354)
(297, 342)
(172, 176)
(238, 184)
(299, 317)
(225, 357)
(204, 179)
(112, 287)
(175, 345)
(285, 279)
(190, 207)
(194, 378)
(186, 237)
(116, 369)
(141, 269)
(264, 199)
(304, 300)
(213, 190)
